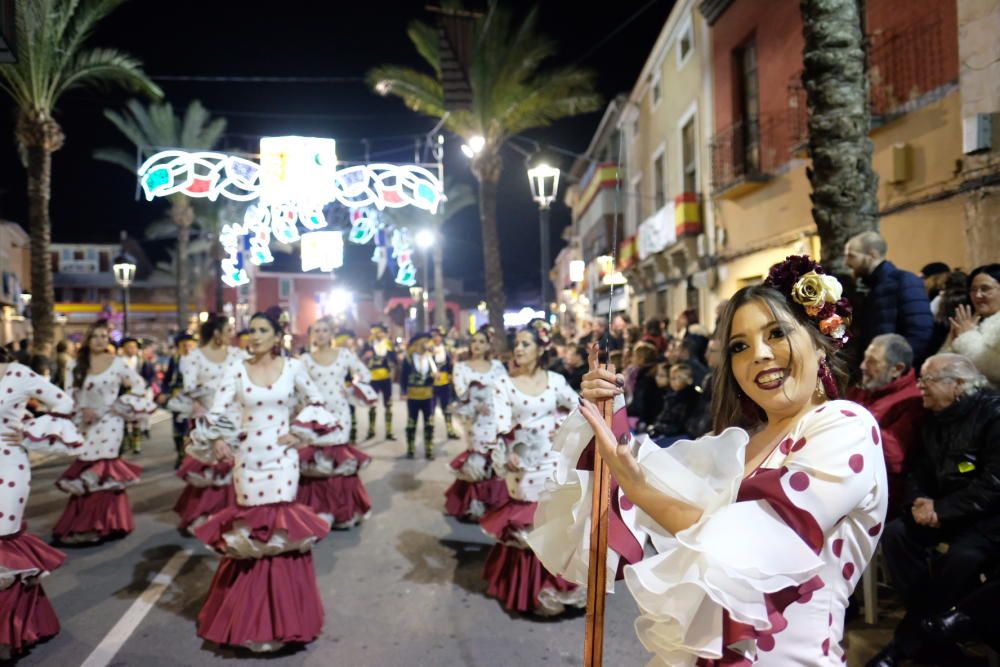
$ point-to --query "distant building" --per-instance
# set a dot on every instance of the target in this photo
(15, 282)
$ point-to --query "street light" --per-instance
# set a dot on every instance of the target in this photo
(474, 147)
(425, 240)
(124, 271)
(544, 180)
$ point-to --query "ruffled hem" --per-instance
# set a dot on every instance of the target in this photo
(331, 460)
(262, 530)
(51, 433)
(209, 429)
(473, 466)
(469, 501)
(24, 556)
(362, 395)
(518, 580)
(199, 474)
(102, 475)
(313, 423)
(29, 616)
(262, 604)
(131, 407)
(341, 501)
(183, 404)
(197, 504)
(95, 516)
(509, 522)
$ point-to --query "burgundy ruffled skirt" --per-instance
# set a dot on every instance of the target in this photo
(198, 501)
(27, 616)
(342, 497)
(516, 578)
(264, 593)
(460, 496)
(514, 516)
(98, 506)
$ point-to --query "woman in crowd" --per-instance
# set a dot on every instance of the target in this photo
(477, 488)
(526, 408)
(644, 398)
(975, 330)
(762, 529)
(209, 482)
(28, 616)
(107, 393)
(264, 593)
(330, 484)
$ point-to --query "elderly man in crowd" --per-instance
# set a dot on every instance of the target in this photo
(897, 301)
(954, 501)
(889, 391)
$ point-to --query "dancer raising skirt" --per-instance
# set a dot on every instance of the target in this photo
(330, 484)
(477, 488)
(264, 594)
(98, 506)
(526, 407)
(209, 482)
(28, 616)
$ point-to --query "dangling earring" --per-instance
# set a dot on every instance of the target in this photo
(826, 385)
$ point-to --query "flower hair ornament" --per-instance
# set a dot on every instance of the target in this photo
(802, 280)
(542, 329)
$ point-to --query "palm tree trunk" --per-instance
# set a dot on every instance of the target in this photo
(182, 215)
(487, 168)
(844, 186)
(40, 136)
(440, 319)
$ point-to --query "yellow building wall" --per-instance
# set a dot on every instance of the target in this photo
(752, 268)
(929, 233)
(780, 206)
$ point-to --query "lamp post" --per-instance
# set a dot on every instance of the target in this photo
(425, 240)
(124, 271)
(544, 180)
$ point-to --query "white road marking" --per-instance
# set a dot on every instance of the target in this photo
(126, 625)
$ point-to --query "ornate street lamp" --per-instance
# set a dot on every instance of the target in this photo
(124, 271)
(544, 180)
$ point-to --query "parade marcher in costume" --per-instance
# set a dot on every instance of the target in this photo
(98, 506)
(763, 528)
(209, 482)
(28, 616)
(442, 383)
(416, 382)
(330, 484)
(381, 360)
(264, 594)
(526, 408)
(130, 350)
(172, 385)
(478, 487)
(344, 340)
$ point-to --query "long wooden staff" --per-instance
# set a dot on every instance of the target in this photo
(593, 647)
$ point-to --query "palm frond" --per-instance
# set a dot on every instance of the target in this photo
(100, 68)
(425, 39)
(420, 92)
(116, 156)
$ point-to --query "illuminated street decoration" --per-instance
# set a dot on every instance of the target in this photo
(293, 182)
(322, 250)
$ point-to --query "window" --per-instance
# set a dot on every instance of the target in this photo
(656, 90)
(659, 192)
(78, 255)
(634, 129)
(749, 107)
(661, 303)
(104, 264)
(689, 158)
(284, 288)
(685, 45)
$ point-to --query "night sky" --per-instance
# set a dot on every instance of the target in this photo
(93, 201)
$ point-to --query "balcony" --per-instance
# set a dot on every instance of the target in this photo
(749, 152)
(907, 65)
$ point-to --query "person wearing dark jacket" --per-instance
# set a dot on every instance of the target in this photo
(679, 415)
(954, 498)
(897, 300)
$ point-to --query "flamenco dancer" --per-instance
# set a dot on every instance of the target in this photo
(264, 594)
(526, 407)
(28, 616)
(442, 382)
(416, 383)
(208, 481)
(380, 359)
(330, 484)
(763, 528)
(477, 488)
(98, 505)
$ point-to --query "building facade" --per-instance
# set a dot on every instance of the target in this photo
(15, 282)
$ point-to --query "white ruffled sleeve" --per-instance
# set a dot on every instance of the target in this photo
(55, 430)
(362, 394)
(769, 539)
(182, 403)
(136, 402)
(566, 398)
(222, 421)
(461, 379)
(313, 421)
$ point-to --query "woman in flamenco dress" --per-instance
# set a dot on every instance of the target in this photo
(208, 481)
(330, 484)
(264, 593)
(478, 488)
(28, 616)
(527, 407)
(107, 394)
(761, 529)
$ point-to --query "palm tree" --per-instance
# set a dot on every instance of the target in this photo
(53, 58)
(843, 183)
(155, 127)
(458, 197)
(510, 94)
